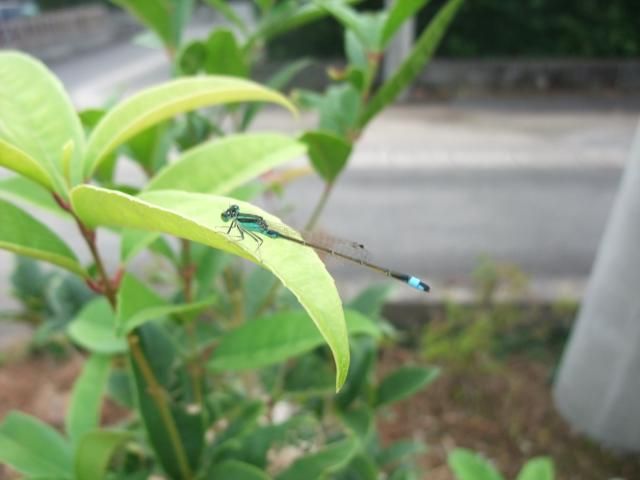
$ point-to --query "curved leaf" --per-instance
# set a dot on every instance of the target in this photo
(94, 452)
(38, 119)
(273, 339)
(196, 217)
(86, 399)
(221, 165)
(33, 447)
(24, 235)
(166, 100)
(95, 328)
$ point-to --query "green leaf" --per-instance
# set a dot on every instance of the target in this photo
(166, 18)
(86, 399)
(284, 17)
(328, 153)
(196, 217)
(339, 110)
(137, 304)
(540, 468)
(94, 329)
(363, 360)
(330, 459)
(24, 235)
(150, 147)
(224, 55)
(356, 54)
(159, 103)
(94, 451)
(467, 465)
(33, 448)
(20, 162)
(233, 469)
(370, 301)
(37, 122)
(422, 51)
(403, 383)
(270, 340)
(221, 165)
(360, 421)
(192, 57)
(21, 188)
(399, 13)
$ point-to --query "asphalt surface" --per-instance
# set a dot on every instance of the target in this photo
(434, 186)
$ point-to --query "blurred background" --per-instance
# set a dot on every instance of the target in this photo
(493, 179)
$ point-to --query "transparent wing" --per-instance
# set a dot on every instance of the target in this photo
(356, 250)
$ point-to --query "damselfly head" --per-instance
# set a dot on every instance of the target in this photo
(230, 213)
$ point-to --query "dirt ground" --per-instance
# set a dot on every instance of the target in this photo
(506, 413)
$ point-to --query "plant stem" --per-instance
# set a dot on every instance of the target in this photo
(317, 211)
(156, 392)
(134, 346)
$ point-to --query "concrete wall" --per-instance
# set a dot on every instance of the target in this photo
(60, 34)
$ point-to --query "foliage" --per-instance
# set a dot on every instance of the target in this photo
(490, 328)
(204, 364)
(467, 465)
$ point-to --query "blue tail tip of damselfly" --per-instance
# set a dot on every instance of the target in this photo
(418, 284)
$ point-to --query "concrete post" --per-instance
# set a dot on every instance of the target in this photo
(598, 386)
(399, 47)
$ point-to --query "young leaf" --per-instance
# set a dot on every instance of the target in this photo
(328, 153)
(94, 451)
(33, 448)
(224, 55)
(399, 13)
(403, 383)
(540, 468)
(37, 121)
(467, 465)
(86, 400)
(422, 51)
(24, 235)
(273, 339)
(164, 101)
(221, 165)
(196, 217)
(330, 459)
(94, 328)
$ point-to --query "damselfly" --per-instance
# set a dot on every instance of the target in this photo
(254, 226)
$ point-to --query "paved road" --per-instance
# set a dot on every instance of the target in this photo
(433, 186)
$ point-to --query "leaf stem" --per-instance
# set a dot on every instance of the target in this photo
(317, 211)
